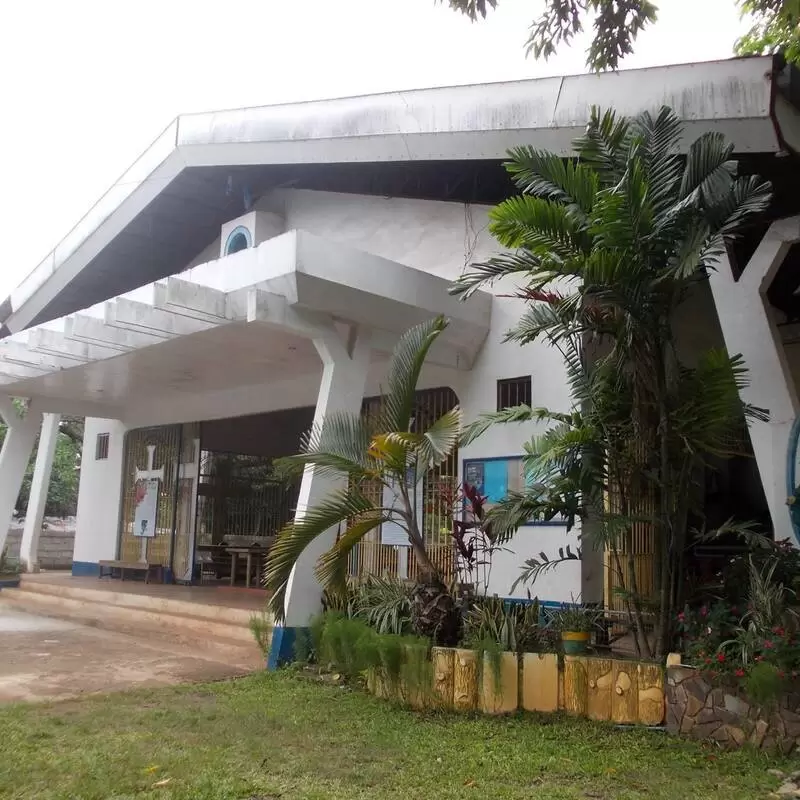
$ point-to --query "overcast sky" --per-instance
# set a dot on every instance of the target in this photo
(86, 85)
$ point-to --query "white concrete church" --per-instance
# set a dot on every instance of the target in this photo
(253, 269)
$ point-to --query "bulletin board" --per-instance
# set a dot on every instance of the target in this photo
(495, 478)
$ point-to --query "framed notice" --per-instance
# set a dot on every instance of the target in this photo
(496, 478)
(392, 532)
(144, 520)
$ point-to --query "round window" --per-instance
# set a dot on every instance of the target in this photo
(239, 239)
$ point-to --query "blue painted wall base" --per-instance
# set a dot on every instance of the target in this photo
(90, 569)
(282, 648)
(85, 569)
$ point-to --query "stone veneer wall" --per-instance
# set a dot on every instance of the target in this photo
(56, 543)
(698, 710)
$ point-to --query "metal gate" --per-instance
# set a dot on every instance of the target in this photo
(371, 557)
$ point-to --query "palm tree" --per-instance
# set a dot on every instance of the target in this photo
(605, 247)
(384, 449)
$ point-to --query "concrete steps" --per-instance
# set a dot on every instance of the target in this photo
(174, 623)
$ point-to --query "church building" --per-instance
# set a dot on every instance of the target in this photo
(253, 269)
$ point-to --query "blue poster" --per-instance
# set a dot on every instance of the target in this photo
(495, 480)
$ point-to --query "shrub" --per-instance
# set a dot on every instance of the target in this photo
(764, 684)
(508, 625)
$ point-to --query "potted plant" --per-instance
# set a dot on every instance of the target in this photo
(575, 624)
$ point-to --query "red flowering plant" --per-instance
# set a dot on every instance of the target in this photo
(464, 508)
(703, 632)
(725, 640)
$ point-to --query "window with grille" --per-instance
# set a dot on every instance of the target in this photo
(513, 392)
(101, 447)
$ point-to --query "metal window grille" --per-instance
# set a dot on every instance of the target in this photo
(101, 447)
(513, 392)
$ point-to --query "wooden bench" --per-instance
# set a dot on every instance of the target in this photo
(131, 566)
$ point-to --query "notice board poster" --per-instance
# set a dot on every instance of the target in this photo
(392, 532)
(144, 520)
(496, 478)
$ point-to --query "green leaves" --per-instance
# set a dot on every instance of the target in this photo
(332, 512)
(404, 368)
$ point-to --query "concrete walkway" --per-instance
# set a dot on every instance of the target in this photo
(50, 659)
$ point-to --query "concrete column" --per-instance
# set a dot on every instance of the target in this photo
(99, 496)
(749, 328)
(14, 457)
(34, 516)
(344, 378)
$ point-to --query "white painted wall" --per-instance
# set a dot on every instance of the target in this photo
(100, 492)
(439, 238)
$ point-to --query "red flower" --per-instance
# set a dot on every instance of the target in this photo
(703, 612)
(720, 657)
(778, 631)
(706, 660)
(781, 673)
(768, 645)
(681, 616)
(740, 673)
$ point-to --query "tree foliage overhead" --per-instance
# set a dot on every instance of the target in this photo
(775, 26)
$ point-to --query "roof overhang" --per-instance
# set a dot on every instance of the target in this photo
(236, 320)
(457, 124)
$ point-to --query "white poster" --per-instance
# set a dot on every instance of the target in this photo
(144, 520)
(392, 533)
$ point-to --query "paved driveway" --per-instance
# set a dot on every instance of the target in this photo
(49, 659)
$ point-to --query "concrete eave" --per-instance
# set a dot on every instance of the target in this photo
(454, 123)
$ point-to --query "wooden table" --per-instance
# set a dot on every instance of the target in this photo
(249, 552)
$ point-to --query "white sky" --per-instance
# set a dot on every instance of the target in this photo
(88, 84)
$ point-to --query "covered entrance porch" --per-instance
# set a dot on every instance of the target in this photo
(168, 372)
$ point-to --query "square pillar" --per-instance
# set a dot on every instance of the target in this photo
(99, 495)
(344, 377)
(34, 516)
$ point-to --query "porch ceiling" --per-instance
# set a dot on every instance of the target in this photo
(248, 319)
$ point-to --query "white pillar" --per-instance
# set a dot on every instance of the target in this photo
(99, 496)
(748, 326)
(14, 457)
(34, 516)
(344, 377)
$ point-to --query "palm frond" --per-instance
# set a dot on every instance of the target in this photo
(534, 568)
(544, 227)
(749, 197)
(332, 566)
(488, 272)
(338, 445)
(660, 138)
(709, 172)
(604, 145)
(547, 175)
(521, 413)
(292, 541)
(404, 368)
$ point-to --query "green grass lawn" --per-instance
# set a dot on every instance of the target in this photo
(281, 736)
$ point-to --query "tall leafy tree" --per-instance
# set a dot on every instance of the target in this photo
(604, 249)
(775, 25)
(386, 451)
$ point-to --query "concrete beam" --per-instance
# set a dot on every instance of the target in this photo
(19, 353)
(192, 300)
(94, 331)
(274, 310)
(142, 318)
(54, 343)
